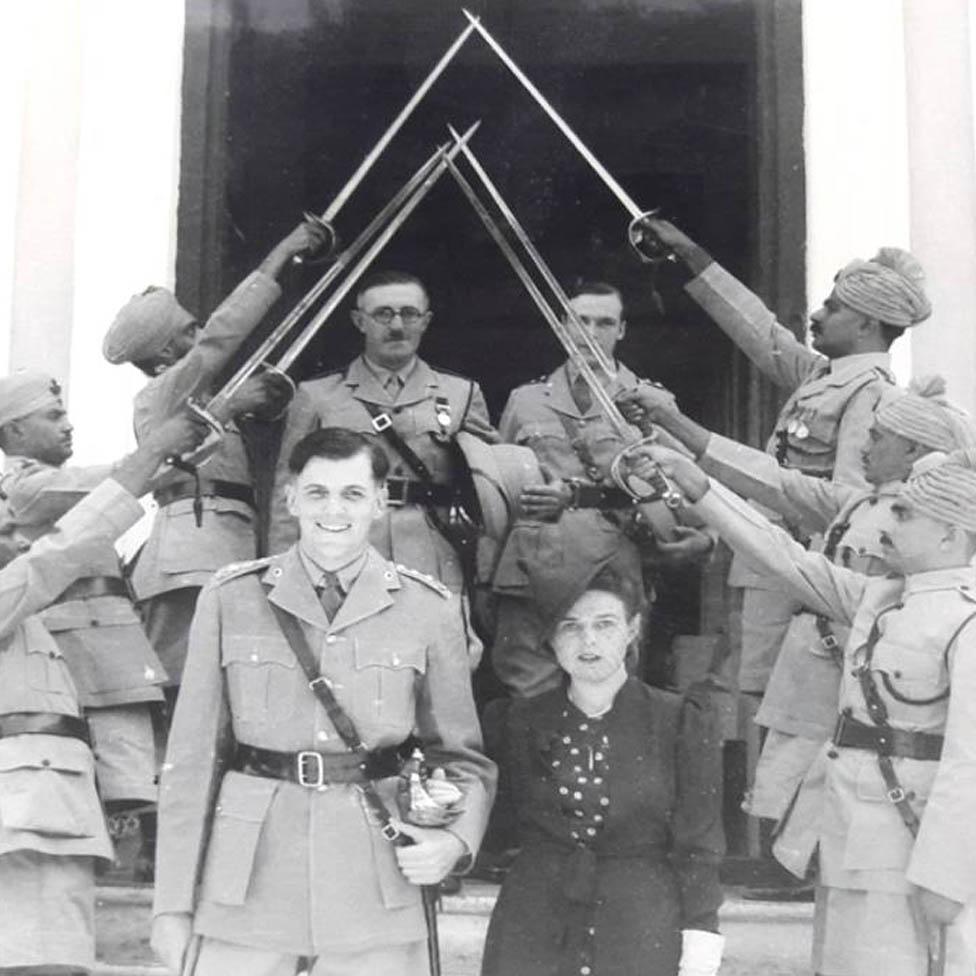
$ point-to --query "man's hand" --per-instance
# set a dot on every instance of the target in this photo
(170, 937)
(548, 501)
(263, 395)
(682, 471)
(429, 860)
(934, 911)
(690, 546)
(646, 402)
(441, 790)
(677, 241)
(178, 434)
(306, 238)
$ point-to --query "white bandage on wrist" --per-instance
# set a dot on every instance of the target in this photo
(701, 953)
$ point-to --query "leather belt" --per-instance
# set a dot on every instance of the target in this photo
(93, 586)
(852, 734)
(405, 491)
(209, 489)
(598, 496)
(317, 769)
(44, 723)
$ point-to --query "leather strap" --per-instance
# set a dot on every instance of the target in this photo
(209, 489)
(315, 769)
(853, 734)
(44, 723)
(319, 685)
(403, 491)
(598, 496)
(93, 586)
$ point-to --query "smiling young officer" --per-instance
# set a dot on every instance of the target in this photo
(894, 788)
(294, 862)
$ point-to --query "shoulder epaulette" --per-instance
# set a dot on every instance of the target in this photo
(425, 578)
(450, 372)
(233, 570)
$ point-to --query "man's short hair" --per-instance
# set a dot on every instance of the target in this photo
(339, 444)
(379, 279)
(585, 286)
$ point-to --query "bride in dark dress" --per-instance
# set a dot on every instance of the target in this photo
(616, 789)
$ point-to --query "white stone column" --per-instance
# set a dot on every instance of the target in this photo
(938, 42)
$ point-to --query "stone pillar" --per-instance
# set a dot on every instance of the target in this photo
(943, 188)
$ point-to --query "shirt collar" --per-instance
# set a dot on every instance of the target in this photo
(347, 575)
(956, 578)
(860, 361)
(382, 374)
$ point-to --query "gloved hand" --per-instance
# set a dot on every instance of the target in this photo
(701, 953)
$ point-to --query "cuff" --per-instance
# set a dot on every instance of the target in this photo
(701, 952)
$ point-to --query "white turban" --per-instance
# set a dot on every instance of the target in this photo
(143, 326)
(26, 391)
(944, 488)
(890, 287)
(924, 415)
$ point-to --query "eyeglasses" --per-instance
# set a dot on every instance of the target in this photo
(385, 315)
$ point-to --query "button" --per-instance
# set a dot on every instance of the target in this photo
(93, 622)
(52, 654)
(149, 674)
(321, 736)
(582, 779)
(583, 727)
(396, 659)
(832, 753)
(574, 751)
(555, 763)
(598, 755)
(567, 740)
(563, 790)
(45, 762)
(591, 831)
(598, 818)
(254, 657)
(604, 801)
(577, 795)
(331, 639)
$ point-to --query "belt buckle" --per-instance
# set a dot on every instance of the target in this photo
(396, 492)
(381, 422)
(896, 794)
(317, 767)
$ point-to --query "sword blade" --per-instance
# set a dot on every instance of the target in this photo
(550, 279)
(616, 418)
(395, 126)
(320, 318)
(615, 188)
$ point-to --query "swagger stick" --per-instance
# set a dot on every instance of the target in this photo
(316, 323)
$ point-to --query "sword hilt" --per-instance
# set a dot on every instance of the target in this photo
(648, 246)
(328, 247)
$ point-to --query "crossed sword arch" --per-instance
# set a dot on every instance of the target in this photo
(354, 260)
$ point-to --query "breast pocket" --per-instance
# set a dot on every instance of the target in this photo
(47, 670)
(911, 676)
(385, 677)
(262, 677)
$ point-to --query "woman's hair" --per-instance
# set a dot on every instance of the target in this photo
(625, 588)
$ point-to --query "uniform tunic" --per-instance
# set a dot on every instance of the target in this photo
(114, 666)
(283, 867)
(178, 553)
(406, 534)
(820, 431)
(926, 626)
(619, 821)
(51, 823)
(569, 443)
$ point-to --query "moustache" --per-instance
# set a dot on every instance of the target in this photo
(885, 539)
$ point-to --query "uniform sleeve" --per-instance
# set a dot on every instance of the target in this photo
(40, 494)
(56, 560)
(199, 740)
(743, 317)
(476, 420)
(696, 824)
(820, 586)
(944, 856)
(447, 723)
(226, 329)
(852, 435)
(509, 424)
(809, 502)
(302, 419)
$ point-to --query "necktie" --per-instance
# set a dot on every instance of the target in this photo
(393, 385)
(582, 396)
(330, 594)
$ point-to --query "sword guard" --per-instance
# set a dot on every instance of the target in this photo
(329, 246)
(645, 243)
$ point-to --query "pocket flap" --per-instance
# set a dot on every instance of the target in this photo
(256, 650)
(390, 654)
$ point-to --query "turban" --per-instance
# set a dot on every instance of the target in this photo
(890, 287)
(25, 391)
(924, 415)
(944, 488)
(143, 326)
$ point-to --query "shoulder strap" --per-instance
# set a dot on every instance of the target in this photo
(319, 685)
(383, 425)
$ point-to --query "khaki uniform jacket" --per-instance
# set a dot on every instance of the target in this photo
(927, 644)
(406, 535)
(48, 800)
(111, 659)
(280, 866)
(541, 416)
(824, 423)
(178, 553)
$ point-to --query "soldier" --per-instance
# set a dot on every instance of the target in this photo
(799, 707)
(415, 410)
(592, 522)
(888, 805)
(51, 826)
(161, 338)
(834, 391)
(296, 861)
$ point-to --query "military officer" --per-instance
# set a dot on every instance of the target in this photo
(160, 337)
(591, 522)
(51, 825)
(834, 390)
(889, 800)
(416, 412)
(261, 801)
(94, 622)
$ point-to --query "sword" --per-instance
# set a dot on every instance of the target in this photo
(316, 323)
(653, 252)
(326, 218)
